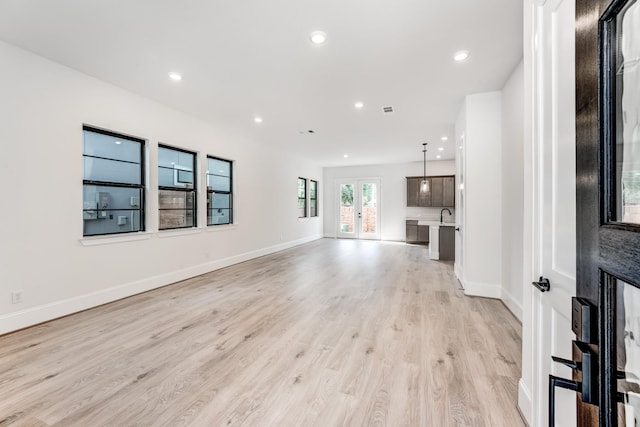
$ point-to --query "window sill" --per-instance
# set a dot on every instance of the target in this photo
(222, 227)
(110, 239)
(178, 232)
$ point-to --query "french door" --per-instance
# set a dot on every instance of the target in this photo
(358, 209)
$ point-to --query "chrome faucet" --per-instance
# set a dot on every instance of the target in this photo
(444, 209)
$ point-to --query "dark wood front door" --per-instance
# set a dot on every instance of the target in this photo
(608, 200)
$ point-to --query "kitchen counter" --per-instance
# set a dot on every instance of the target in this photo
(434, 234)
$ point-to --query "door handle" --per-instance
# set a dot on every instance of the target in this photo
(359, 214)
(457, 228)
(588, 387)
(542, 284)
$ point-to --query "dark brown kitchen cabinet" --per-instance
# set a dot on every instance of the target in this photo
(412, 231)
(436, 191)
(416, 233)
(449, 192)
(441, 192)
(413, 191)
(447, 244)
(423, 233)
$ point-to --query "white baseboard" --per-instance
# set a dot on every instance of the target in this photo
(32, 316)
(330, 235)
(514, 306)
(525, 403)
(476, 289)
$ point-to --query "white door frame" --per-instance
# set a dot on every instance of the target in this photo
(357, 183)
(549, 208)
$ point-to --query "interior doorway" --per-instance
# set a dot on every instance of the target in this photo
(358, 208)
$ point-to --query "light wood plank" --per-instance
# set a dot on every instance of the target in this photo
(332, 333)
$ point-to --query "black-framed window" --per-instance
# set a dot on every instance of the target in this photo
(313, 198)
(219, 191)
(302, 198)
(113, 183)
(177, 188)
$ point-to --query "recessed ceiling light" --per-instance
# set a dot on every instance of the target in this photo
(438, 156)
(175, 76)
(440, 148)
(444, 138)
(358, 105)
(461, 55)
(345, 156)
(257, 119)
(318, 37)
(460, 147)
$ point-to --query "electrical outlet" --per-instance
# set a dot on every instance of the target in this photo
(17, 297)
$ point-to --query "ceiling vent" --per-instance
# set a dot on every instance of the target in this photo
(387, 110)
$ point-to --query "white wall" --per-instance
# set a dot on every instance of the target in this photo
(480, 123)
(512, 189)
(393, 204)
(42, 251)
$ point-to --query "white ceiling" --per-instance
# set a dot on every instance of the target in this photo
(242, 58)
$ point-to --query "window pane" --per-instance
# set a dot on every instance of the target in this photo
(627, 113)
(176, 209)
(221, 201)
(219, 183)
(108, 210)
(111, 171)
(110, 147)
(175, 168)
(219, 216)
(218, 167)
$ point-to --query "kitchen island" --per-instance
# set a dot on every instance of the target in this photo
(441, 238)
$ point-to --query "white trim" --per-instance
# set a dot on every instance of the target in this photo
(178, 232)
(512, 304)
(35, 315)
(524, 401)
(114, 238)
(220, 227)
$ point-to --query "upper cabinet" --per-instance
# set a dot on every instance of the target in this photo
(413, 191)
(441, 192)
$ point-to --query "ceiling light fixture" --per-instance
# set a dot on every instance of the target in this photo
(257, 119)
(118, 142)
(175, 76)
(358, 105)
(318, 37)
(461, 55)
(438, 156)
(424, 186)
(444, 138)
(440, 148)
(345, 156)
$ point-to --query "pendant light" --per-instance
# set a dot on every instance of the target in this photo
(424, 186)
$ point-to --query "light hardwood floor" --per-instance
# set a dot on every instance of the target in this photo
(332, 333)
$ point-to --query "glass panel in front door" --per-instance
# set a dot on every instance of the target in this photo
(369, 208)
(627, 113)
(628, 353)
(347, 213)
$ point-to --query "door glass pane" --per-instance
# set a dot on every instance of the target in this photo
(628, 352)
(346, 209)
(627, 113)
(369, 208)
